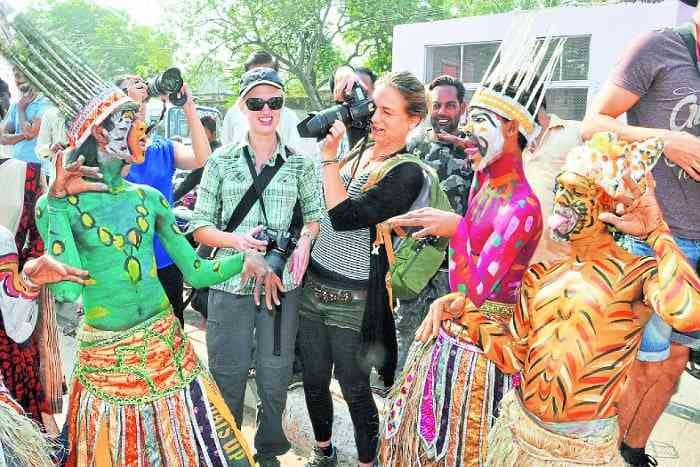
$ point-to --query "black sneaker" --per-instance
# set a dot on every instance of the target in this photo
(636, 457)
(319, 460)
(267, 461)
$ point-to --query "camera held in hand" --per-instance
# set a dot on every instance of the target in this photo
(168, 84)
(280, 245)
(356, 111)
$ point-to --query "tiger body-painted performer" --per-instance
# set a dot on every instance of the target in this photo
(577, 325)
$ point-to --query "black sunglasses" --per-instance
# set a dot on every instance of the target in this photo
(256, 104)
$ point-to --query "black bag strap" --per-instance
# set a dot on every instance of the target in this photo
(686, 33)
(249, 198)
(260, 182)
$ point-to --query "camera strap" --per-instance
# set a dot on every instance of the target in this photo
(261, 180)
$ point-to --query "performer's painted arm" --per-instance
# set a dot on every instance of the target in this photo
(54, 226)
(514, 227)
(506, 346)
(674, 291)
(196, 271)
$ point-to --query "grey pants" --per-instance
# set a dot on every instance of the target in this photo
(232, 325)
(411, 314)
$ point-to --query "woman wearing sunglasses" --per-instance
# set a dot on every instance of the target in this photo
(235, 318)
(346, 319)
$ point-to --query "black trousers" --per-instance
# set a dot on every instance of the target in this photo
(171, 279)
(321, 348)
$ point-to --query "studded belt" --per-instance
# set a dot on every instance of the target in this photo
(327, 295)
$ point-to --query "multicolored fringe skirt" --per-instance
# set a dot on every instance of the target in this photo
(441, 411)
(141, 398)
(518, 439)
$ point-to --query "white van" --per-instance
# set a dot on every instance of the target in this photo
(174, 124)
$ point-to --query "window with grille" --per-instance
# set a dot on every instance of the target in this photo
(568, 93)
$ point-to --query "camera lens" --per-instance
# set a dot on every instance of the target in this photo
(170, 81)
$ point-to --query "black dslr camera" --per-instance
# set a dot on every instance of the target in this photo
(356, 111)
(168, 84)
(280, 245)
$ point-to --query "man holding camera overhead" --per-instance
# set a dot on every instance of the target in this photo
(247, 199)
(163, 156)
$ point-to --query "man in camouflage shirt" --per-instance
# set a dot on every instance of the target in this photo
(447, 105)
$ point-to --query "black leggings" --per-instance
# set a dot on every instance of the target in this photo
(321, 347)
(171, 279)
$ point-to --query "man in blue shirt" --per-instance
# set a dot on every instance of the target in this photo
(24, 120)
(162, 158)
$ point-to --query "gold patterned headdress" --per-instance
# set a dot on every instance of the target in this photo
(524, 63)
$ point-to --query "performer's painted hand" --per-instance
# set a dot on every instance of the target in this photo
(300, 260)
(450, 306)
(329, 146)
(70, 180)
(639, 215)
(46, 270)
(434, 222)
(256, 268)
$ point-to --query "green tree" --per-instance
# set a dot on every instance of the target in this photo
(107, 38)
(309, 38)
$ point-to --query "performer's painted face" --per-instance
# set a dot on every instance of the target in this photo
(485, 131)
(575, 206)
(127, 138)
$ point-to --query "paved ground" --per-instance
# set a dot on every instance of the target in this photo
(675, 441)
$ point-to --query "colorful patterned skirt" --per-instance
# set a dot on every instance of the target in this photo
(442, 409)
(518, 438)
(141, 397)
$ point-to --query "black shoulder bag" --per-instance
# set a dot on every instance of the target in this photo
(200, 297)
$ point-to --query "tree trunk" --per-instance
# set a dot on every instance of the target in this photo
(311, 91)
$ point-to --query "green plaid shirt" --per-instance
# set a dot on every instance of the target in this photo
(226, 179)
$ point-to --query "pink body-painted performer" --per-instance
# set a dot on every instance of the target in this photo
(442, 409)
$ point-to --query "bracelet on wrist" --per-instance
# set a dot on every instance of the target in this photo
(329, 162)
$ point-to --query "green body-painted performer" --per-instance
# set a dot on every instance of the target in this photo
(111, 235)
(139, 394)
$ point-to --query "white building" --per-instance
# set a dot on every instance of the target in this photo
(596, 38)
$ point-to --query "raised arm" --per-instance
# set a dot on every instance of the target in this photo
(197, 271)
(513, 229)
(674, 291)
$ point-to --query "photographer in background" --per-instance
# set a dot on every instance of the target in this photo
(231, 185)
(235, 124)
(162, 158)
